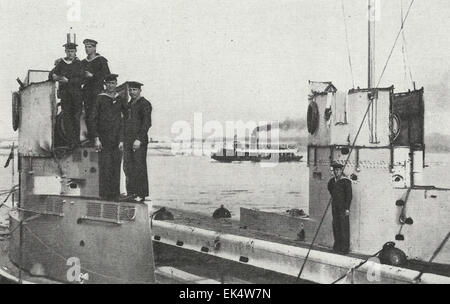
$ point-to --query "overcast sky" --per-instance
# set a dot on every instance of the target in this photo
(229, 60)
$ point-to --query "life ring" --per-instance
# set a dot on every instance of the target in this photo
(15, 110)
(312, 117)
(394, 126)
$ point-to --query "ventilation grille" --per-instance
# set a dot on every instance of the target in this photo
(94, 209)
(110, 212)
(51, 207)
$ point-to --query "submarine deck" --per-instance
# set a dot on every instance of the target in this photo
(233, 227)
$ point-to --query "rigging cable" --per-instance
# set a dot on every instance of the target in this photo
(348, 45)
(354, 141)
(357, 266)
(331, 199)
(61, 256)
(395, 42)
(406, 66)
(436, 252)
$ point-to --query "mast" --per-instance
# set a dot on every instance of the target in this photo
(371, 45)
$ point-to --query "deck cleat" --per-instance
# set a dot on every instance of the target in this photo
(221, 212)
(163, 215)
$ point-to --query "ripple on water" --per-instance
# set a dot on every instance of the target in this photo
(197, 203)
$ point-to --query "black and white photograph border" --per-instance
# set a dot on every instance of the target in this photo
(224, 142)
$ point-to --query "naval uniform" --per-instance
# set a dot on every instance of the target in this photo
(107, 124)
(70, 95)
(341, 193)
(137, 125)
(93, 86)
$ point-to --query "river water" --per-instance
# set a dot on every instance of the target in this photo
(200, 184)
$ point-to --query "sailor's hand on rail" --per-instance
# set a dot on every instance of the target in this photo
(347, 212)
(136, 145)
(98, 144)
(121, 146)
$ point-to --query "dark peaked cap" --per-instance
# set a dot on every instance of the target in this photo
(110, 77)
(90, 41)
(134, 84)
(70, 45)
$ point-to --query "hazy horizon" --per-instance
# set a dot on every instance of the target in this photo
(232, 60)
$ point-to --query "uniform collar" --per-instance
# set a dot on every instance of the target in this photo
(112, 97)
(97, 55)
(69, 61)
(341, 178)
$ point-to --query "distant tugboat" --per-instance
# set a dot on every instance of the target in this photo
(281, 154)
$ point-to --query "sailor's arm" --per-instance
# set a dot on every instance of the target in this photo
(103, 70)
(348, 193)
(121, 132)
(93, 120)
(330, 186)
(55, 75)
(146, 121)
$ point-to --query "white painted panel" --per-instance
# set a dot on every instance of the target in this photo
(47, 185)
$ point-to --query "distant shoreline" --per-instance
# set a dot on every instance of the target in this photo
(434, 143)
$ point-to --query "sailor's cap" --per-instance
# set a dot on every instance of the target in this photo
(90, 41)
(110, 77)
(134, 84)
(70, 46)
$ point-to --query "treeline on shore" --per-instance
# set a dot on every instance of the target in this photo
(435, 142)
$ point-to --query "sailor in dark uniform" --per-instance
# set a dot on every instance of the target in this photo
(69, 73)
(107, 130)
(96, 68)
(340, 188)
(137, 125)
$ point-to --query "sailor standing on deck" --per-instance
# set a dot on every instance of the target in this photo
(69, 73)
(137, 125)
(107, 129)
(96, 68)
(340, 188)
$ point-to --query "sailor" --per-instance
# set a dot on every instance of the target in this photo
(69, 73)
(137, 125)
(96, 68)
(107, 130)
(340, 188)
